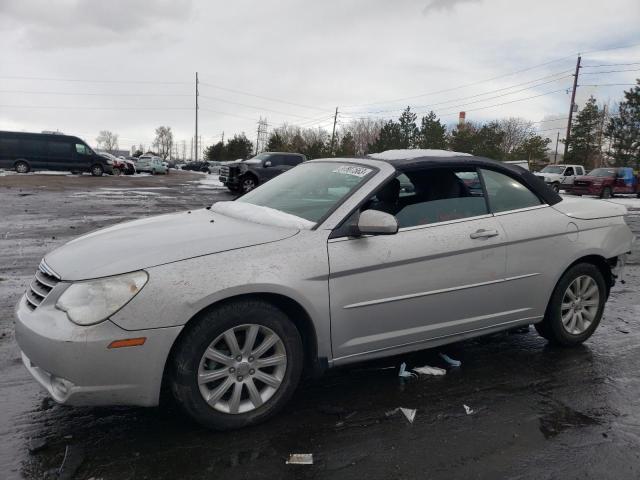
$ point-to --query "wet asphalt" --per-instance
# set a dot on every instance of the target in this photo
(538, 412)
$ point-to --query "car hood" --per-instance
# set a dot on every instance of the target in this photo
(589, 209)
(148, 242)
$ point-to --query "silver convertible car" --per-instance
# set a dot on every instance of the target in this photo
(335, 261)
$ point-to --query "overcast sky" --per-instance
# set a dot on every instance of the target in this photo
(299, 59)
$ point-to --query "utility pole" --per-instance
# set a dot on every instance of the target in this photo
(333, 133)
(555, 155)
(571, 107)
(196, 137)
(223, 138)
(601, 131)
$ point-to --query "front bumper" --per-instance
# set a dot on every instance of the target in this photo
(75, 366)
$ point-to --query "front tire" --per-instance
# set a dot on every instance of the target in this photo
(97, 170)
(237, 365)
(606, 193)
(22, 167)
(117, 172)
(555, 187)
(576, 306)
(248, 183)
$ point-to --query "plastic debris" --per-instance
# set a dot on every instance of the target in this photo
(427, 370)
(300, 459)
(468, 409)
(450, 361)
(409, 413)
(404, 373)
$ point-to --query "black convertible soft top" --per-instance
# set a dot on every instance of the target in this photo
(467, 161)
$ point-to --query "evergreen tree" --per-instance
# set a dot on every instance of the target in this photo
(432, 133)
(533, 148)
(390, 138)
(623, 131)
(584, 141)
(462, 138)
(408, 129)
(238, 147)
(488, 140)
(215, 152)
(347, 146)
(276, 143)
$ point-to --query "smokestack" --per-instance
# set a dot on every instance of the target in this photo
(461, 118)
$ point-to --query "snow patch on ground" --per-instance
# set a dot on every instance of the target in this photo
(211, 181)
(417, 153)
(262, 215)
(5, 173)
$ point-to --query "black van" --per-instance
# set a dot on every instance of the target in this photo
(23, 152)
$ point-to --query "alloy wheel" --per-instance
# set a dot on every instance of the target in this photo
(242, 369)
(248, 184)
(22, 167)
(580, 305)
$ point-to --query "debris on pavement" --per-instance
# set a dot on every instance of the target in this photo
(37, 444)
(409, 413)
(427, 370)
(468, 409)
(300, 459)
(404, 373)
(449, 360)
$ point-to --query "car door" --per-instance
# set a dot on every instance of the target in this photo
(439, 276)
(539, 240)
(569, 176)
(60, 155)
(272, 167)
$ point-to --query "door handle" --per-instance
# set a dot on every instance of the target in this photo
(482, 233)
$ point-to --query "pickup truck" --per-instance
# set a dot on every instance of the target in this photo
(245, 175)
(606, 182)
(560, 176)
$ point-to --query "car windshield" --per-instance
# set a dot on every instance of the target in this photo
(552, 169)
(602, 172)
(310, 190)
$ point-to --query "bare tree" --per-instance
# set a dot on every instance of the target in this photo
(107, 141)
(516, 132)
(365, 131)
(163, 141)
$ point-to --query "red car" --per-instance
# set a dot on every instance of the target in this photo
(606, 182)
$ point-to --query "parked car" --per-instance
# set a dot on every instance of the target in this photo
(196, 166)
(151, 164)
(24, 152)
(328, 264)
(560, 176)
(119, 166)
(246, 175)
(214, 167)
(607, 182)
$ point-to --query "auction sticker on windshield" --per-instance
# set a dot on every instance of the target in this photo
(355, 171)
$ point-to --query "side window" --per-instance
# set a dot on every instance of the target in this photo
(80, 148)
(431, 196)
(579, 171)
(506, 193)
(291, 160)
(59, 149)
(276, 160)
(569, 172)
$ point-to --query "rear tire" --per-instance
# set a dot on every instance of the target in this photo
(22, 167)
(97, 170)
(606, 193)
(232, 372)
(576, 305)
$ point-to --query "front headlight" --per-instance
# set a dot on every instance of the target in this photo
(93, 301)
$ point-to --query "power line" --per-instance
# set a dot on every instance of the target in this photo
(253, 106)
(611, 65)
(51, 79)
(609, 85)
(611, 71)
(92, 94)
(83, 107)
(270, 99)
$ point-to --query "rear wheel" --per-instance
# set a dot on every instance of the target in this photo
(116, 171)
(237, 366)
(97, 170)
(606, 192)
(576, 306)
(22, 167)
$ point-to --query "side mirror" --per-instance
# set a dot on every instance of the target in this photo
(267, 163)
(375, 222)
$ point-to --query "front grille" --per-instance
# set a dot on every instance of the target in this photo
(224, 171)
(41, 285)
